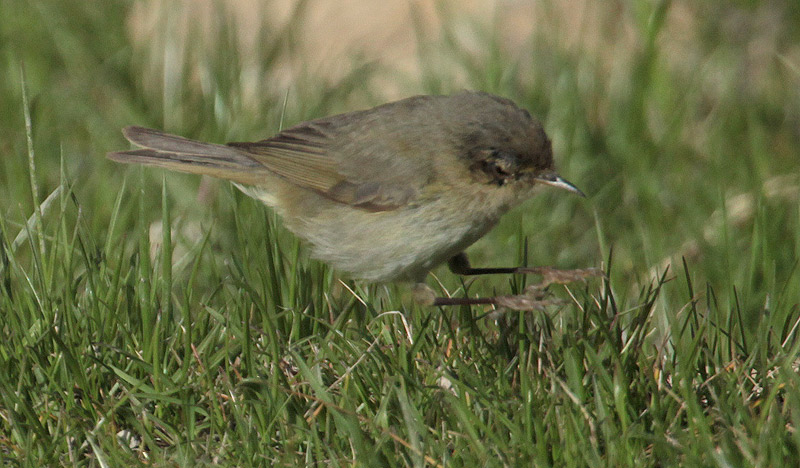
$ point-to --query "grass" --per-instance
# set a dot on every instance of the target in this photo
(163, 320)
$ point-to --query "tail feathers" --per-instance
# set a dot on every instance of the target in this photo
(160, 141)
(190, 163)
(184, 155)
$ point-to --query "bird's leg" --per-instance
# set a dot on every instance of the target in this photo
(533, 298)
(459, 264)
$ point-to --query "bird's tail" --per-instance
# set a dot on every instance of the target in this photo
(182, 154)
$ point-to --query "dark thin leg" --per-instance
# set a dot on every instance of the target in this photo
(459, 265)
(519, 302)
(448, 301)
(424, 295)
(533, 298)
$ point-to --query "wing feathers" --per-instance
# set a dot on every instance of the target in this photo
(299, 155)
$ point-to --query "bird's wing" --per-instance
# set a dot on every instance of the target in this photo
(336, 160)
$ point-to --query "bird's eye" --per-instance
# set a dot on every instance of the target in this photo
(500, 166)
(498, 169)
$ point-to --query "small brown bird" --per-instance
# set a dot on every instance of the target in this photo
(390, 192)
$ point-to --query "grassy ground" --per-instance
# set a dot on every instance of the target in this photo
(217, 341)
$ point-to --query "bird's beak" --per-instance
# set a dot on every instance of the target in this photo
(555, 180)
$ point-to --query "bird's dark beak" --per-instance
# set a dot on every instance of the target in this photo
(555, 180)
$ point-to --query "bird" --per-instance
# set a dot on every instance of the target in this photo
(388, 193)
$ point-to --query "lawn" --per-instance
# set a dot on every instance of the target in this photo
(160, 319)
